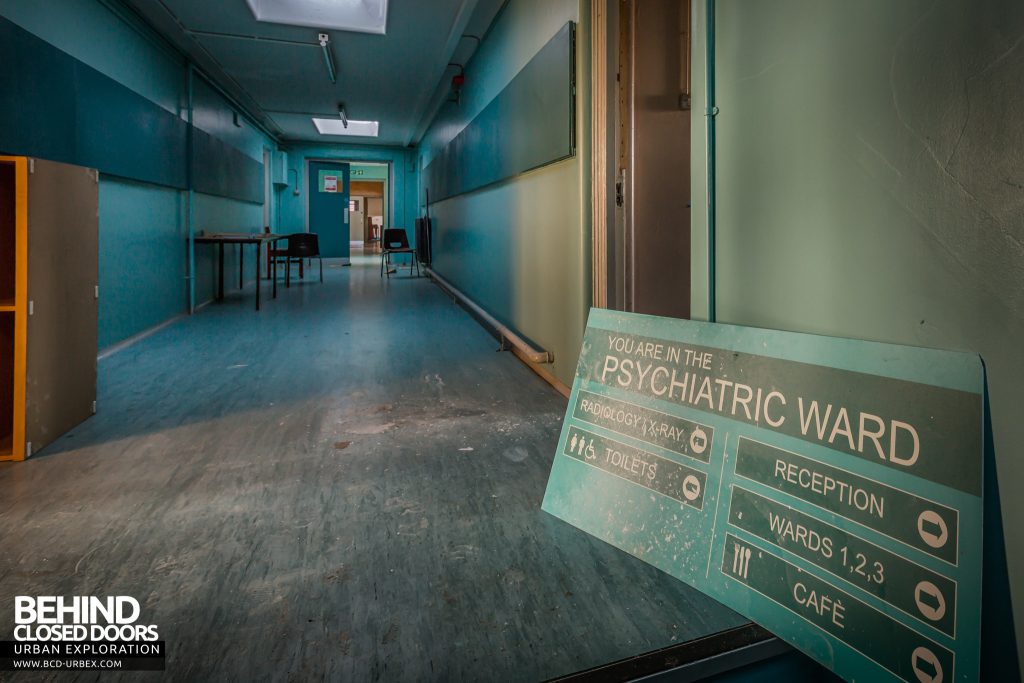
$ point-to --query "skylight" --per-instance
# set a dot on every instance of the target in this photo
(364, 16)
(365, 129)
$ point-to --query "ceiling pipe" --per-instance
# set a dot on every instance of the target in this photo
(317, 114)
(254, 38)
(323, 41)
(190, 59)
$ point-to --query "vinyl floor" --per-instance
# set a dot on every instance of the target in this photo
(344, 486)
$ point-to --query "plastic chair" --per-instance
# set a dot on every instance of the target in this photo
(397, 242)
(301, 245)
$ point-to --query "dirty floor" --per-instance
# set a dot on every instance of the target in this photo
(346, 485)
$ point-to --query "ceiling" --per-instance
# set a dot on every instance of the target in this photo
(278, 73)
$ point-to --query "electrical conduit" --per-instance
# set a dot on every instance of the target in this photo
(710, 112)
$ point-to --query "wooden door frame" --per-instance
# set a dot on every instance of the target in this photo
(610, 262)
(602, 106)
(612, 83)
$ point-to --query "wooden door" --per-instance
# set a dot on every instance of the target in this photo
(63, 280)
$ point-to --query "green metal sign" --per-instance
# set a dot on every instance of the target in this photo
(828, 489)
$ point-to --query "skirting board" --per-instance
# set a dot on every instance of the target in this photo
(109, 351)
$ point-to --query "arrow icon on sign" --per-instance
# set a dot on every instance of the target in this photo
(691, 488)
(932, 529)
(930, 601)
(699, 441)
(926, 666)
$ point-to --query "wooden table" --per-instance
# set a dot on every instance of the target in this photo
(241, 239)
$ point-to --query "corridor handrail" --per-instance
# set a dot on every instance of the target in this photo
(528, 351)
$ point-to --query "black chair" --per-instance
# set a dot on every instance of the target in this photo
(301, 245)
(397, 242)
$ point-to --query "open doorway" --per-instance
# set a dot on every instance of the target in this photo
(369, 204)
(368, 209)
(348, 198)
(642, 72)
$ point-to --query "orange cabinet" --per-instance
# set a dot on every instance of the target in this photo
(48, 301)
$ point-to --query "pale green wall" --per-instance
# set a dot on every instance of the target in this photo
(375, 172)
(871, 185)
(519, 248)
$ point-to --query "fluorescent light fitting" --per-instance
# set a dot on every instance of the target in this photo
(325, 45)
(362, 16)
(364, 129)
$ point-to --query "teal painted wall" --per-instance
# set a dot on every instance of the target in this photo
(220, 214)
(143, 228)
(870, 185)
(211, 114)
(292, 209)
(520, 248)
(92, 32)
(143, 233)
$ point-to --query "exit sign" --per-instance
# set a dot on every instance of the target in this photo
(828, 489)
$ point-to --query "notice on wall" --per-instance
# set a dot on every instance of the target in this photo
(828, 489)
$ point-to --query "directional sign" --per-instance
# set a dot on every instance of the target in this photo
(828, 489)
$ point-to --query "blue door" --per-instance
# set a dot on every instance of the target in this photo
(328, 206)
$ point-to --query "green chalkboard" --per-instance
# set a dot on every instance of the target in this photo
(529, 124)
(828, 489)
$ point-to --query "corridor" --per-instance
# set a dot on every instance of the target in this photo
(345, 486)
(713, 372)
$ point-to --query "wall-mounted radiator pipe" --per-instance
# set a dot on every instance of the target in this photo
(190, 217)
(710, 112)
(529, 352)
